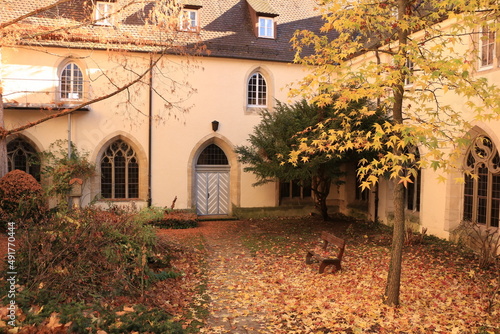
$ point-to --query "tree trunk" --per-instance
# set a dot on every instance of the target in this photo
(394, 275)
(4, 168)
(321, 188)
(392, 288)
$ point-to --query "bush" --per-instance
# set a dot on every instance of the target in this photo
(167, 218)
(94, 318)
(86, 254)
(21, 197)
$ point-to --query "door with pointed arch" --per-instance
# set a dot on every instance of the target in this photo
(212, 182)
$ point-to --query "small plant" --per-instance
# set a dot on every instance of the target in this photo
(64, 169)
(412, 238)
(21, 197)
(484, 241)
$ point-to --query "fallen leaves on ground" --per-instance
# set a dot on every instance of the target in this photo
(272, 290)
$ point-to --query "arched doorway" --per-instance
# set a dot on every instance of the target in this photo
(212, 182)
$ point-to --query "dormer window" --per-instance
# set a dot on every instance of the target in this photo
(102, 14)
(266, 27)
(262, 15)
(188, 20)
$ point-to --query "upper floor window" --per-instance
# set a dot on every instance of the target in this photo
(482, 188)
(119, 171)
(21, 155)
(266, 27)
(487, 44)
(102, 14)
(188, 20)
(71, 82)
(410, 67)
(257, 91)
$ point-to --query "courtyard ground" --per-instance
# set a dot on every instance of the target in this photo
(257, 281)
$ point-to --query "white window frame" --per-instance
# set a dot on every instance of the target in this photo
(103, 13)
(257, 90)
(186, 20)
(265, 28)
(409, 76)
(486, 48)
(74, 83)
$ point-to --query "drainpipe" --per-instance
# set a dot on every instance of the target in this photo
(69, 136)
(150, 129)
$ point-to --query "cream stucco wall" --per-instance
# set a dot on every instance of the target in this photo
(178, 137)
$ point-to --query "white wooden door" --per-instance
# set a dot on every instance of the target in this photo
(212, 192)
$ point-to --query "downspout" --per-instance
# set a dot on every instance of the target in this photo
(69, 136)
(150, 129)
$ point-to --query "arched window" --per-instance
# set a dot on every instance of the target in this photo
(119, 171)
(257, 91)
(71, 82)
(482, 188)
(212, 155)
(21, 155)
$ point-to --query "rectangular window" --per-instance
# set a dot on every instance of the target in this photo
(294, 190)
(188, 20)
(266, 27)
(409, 68)
(103, 11)
(487, 44)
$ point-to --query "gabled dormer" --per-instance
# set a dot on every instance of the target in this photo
(189, 18)
(103, 12)
(263, 18)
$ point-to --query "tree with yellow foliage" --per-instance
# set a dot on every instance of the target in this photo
(415, 59)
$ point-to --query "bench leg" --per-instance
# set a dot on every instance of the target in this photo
(309, 258)
(326, 263)
(322, 266)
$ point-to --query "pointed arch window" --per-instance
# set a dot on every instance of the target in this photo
(482, 183)
(23, 156)
(119, 172)
(71, 82)
(257, 91)
(212, 155)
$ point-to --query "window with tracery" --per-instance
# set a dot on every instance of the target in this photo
(212, 155)
(21, 155)
(119, 172)
(482, 183)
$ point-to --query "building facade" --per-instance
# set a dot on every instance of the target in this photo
(172, 134)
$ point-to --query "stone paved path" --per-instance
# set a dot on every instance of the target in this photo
(229, 265)
(229, 262)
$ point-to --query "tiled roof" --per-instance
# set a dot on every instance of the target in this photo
(262, 7)
(226, 26)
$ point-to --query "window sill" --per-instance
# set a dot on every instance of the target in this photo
(254, 110)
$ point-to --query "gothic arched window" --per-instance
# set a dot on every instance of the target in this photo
(119, 171)
(482, 183)
(21, 155)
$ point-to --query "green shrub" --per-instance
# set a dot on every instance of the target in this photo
(85, 254)
(167, 218)
(92, 318)
(21, 197)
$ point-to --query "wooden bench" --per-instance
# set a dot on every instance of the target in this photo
(324, 256)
